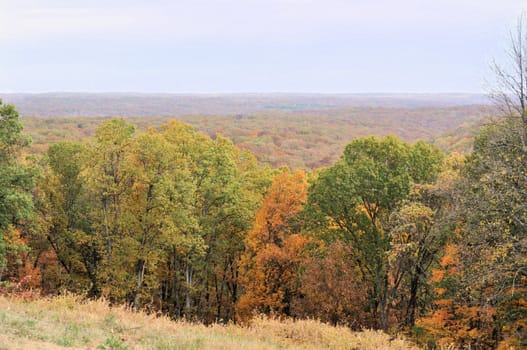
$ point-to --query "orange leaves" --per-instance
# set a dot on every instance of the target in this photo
(440, 292)
(273, 249)
(437, 276)
(435, 322)
(460, 323)
(30, 277)
(450, 257)
(272, 279)
(285, 199)
(457, 318)
(332, 291)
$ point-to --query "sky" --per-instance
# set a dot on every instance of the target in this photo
(259, 46)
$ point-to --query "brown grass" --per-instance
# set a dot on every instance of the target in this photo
(69, 322)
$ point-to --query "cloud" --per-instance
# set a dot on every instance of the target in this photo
(237, 19)
(19, 23)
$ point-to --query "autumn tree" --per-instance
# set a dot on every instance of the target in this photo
(219, 188)
(226, 243)
(156, 218)
(331, 289)
(420, 229)
(273, 249)
(491, 204)
(493, 244)
(65, 223)
(108, 182)
(153, 212)
(16, 184)
(353, 200)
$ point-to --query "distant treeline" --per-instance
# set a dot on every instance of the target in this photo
(176, 105)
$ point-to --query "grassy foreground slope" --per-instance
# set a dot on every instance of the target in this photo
(69, 322)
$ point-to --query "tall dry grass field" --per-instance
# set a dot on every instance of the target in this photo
(73, 323)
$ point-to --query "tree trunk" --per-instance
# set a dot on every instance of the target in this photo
(188, 281)
(412, 303)
(174, 296)
(139, 286)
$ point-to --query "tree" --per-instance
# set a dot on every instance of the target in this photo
(420, 228)
(492, 240)
(221, 188)
(16, 184)
(65, 223)
(331, 289)
(153, 214)
(353, 200)
(493, 246)
(273, 250)
(107, 183)
(511, 80)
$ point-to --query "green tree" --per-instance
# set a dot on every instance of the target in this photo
(225, 190)
(65, 221)
(353, 200)
(155, 212)
(160, 217)
(16, 182)
(107, 182)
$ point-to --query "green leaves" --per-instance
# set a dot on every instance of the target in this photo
(354, 199)
(11, 139)
(127, 215)
(16, 180)
(491, 201)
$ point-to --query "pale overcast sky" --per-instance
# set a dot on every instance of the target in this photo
(252, 45)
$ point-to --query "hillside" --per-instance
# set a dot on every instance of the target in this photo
(300, 139)
(68, 322)
(144, 105)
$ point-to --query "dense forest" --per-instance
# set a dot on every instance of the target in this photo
(394, 235)
(390, 233)
(307, 139)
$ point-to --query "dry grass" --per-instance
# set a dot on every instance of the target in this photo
(69, 322)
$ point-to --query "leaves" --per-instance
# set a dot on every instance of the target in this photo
(16, 184)
(354, 200)
(273, 249)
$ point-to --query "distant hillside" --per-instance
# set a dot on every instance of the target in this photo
(300, 139)
(71, 323)
(141, 105)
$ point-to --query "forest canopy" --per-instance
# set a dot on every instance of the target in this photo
(394, 235)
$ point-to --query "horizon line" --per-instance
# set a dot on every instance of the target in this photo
(122, 92)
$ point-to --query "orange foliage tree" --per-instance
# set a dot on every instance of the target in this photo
(331, 290)
(273, 251)
(459, 315)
